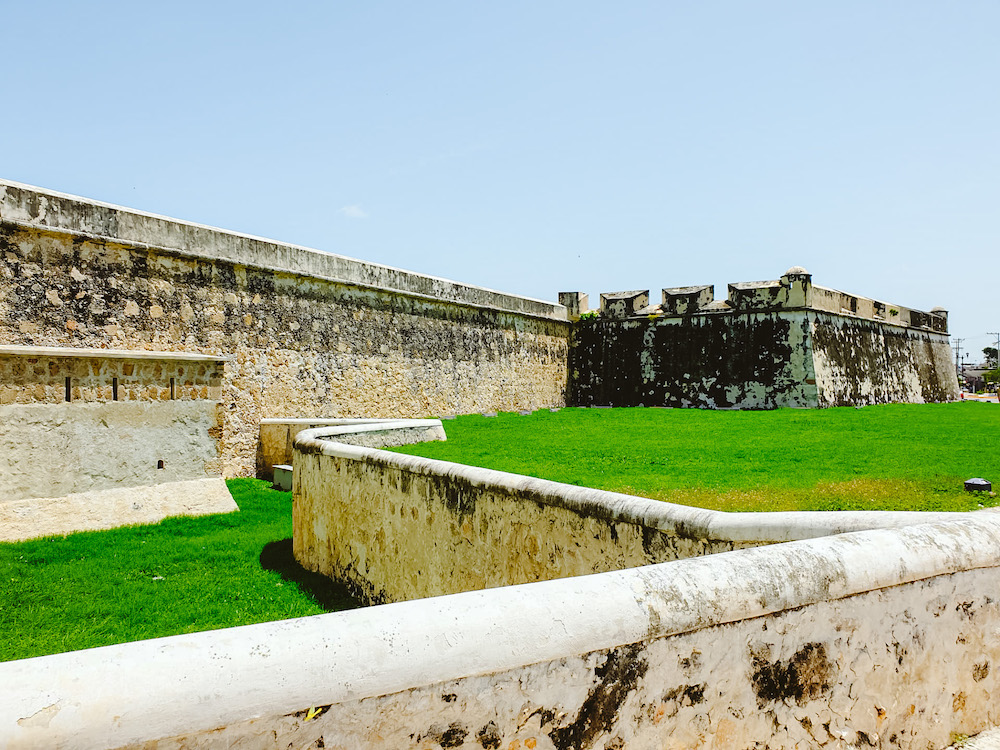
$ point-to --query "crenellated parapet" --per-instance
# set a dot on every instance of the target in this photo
(793, 291)
(785, 342)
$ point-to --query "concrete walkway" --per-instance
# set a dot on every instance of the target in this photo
(987, 398)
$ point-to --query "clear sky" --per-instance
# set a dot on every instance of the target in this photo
(538, 147)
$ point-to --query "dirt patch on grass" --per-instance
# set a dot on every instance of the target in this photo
(945, 494)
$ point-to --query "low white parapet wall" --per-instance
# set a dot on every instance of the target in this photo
(877, 638)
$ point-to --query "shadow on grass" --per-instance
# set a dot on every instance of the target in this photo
(328, 594)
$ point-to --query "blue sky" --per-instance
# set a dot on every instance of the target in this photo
(539, 147)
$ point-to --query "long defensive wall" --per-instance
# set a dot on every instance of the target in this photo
(302, 333)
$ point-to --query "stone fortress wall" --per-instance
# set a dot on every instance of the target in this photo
(822, 642)
(771, 344)
(97, 438)
(100, 304)
(303, 333)
(306, 334)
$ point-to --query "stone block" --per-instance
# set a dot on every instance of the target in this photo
(623, 304)
(283, 477)
(684, 300)
(576, 303)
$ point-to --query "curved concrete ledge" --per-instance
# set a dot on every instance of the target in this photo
(277, 436)
(761, 528)
(138, 692)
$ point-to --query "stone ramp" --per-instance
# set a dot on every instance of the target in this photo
(107, 509)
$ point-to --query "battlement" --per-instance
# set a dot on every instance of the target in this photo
(793, 291)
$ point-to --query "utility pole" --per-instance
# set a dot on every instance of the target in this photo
(994, 333)
(996, 362)
(958, 354)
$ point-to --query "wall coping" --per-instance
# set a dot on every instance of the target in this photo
(70, 351)
(215, 678)
(683, 520)
(47, 210)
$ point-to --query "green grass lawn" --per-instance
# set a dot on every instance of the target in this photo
(894, 457)
(190, 574)
(179, 576)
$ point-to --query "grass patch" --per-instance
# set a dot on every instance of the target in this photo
(894, 457)
(182, 575)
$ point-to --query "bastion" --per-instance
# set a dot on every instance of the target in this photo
(769, 344)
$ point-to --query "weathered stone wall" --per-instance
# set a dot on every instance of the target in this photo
(50, 450)
(394, 534)
(96, 438)
(861, 361)
(40, 375)
(853, 673)
(308, 333)
(399, 527)
(770, 344)
(881, 638)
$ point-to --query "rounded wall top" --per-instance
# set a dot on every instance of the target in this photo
(797, 271)
(938, 310)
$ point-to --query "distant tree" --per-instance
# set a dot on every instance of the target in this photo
(991, 355)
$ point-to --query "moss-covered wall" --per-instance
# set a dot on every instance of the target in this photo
(861, 361)
(746, 361)
(756, 360)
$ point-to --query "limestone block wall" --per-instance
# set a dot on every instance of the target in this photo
(53, 375)
(882, 638)
(398, 527)
(79, 420)
(305, 333)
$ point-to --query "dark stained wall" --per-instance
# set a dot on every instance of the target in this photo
(757, 360)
